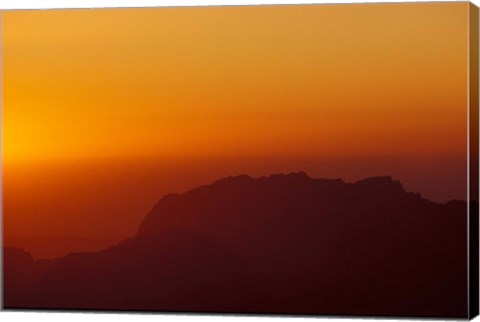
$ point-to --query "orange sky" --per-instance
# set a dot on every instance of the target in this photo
(85, 88)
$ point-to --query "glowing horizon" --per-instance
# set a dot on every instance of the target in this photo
(235, 81)
(106, 110)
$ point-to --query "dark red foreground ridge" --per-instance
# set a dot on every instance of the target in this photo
(280, 244)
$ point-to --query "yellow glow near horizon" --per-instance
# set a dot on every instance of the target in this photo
(290, 80)
(106, 110)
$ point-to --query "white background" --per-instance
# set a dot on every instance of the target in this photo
(100, 317)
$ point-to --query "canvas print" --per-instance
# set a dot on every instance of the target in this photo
(280, 159)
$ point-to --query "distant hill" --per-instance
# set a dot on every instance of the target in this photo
(278, 244)
(21, 273)
(50, 247)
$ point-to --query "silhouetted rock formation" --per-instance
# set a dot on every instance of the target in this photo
(55, 246)
(278, 244)
(21, 272)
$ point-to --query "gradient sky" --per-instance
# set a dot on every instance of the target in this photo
(93, 97)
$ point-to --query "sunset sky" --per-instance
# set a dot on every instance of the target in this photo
(106, 110)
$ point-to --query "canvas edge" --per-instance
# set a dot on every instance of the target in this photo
(2, 304)
(473, 161)
(473, 178)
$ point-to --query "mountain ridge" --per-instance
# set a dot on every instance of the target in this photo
(286, 243)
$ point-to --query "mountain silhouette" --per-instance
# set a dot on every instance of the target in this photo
(54, 246)
(21, 272)
(287, 244)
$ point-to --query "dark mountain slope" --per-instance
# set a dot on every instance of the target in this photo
(175, 270)
(20, 273)
(51, 247)
(278, 244)
(371, 246)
